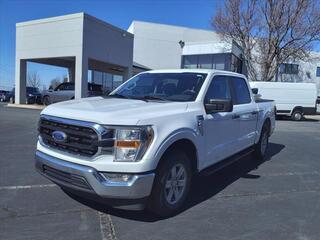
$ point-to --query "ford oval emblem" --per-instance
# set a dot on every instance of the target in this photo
(59, 136)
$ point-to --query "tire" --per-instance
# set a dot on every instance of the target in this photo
(297, 115)
(46, 100)
(170, 191)
(261, 147)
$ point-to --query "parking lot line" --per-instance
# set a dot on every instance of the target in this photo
(107, 227)
(27, 186)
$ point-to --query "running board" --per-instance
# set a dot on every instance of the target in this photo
(226, 162)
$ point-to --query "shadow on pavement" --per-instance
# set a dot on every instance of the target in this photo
(203, 187)
(308, 118)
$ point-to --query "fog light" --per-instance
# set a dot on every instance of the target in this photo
(117, 177)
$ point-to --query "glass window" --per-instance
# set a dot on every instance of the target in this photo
(60, 87)
(205, 61)
(218, 89)
(163, 86)
(236, 64)
(69, 87)
(190, 61)
(287, 68)
(241, 91)
(318, 72)
(32, 90)
(219, 61)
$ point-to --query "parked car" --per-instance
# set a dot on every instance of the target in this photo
(65, 91)
(3, 95)
(142, 145)
(292, 99)
(33, 95)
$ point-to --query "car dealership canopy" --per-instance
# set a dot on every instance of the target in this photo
(78, 42)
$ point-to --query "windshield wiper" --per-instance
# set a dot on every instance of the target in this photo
(150, 97)
(117, 95)
(142, 98)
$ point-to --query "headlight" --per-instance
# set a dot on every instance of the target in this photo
(131, 143)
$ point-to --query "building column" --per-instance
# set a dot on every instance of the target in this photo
(81, 77)
(127, 73)
(71, 74)
(21, 81)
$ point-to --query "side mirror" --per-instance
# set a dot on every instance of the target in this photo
(219, 105)
(255, 90)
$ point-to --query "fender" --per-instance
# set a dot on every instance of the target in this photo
(265, 116)
(179, 134)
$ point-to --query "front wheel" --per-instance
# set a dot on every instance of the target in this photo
(46, 100)
(172, 184)
(262, 146)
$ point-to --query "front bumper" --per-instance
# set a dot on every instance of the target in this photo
(87, 179)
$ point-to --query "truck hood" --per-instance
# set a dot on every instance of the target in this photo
(114, 111)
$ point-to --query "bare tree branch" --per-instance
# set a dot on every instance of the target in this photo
(33, 79)
(270, 32)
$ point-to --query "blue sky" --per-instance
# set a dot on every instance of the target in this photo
(190, 13)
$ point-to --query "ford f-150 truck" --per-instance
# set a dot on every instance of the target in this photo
(142, 145)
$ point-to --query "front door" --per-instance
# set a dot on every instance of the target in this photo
(220, 129)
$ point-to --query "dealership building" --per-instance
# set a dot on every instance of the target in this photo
(96, 51)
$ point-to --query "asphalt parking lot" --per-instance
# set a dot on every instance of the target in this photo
(280, 199)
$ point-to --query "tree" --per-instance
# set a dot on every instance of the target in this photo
(55, 82)
(270, 32)
(33, 79)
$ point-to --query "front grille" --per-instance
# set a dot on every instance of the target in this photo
(79, 139)
(65, 177)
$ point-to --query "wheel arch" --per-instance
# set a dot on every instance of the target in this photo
(259, 130)
(184, 142)
(297, 108)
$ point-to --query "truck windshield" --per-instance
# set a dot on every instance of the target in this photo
(162, 86)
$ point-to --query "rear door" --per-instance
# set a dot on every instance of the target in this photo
(244, 112)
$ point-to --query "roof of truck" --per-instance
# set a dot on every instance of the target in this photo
(196, 70)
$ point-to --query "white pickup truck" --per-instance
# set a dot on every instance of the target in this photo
(141, 145)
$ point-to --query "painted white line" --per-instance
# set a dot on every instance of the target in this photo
(290, 174)
(27, 187)
(106, 227)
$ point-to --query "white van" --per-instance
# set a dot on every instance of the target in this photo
(292, 99)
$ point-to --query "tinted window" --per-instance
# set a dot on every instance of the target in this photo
(287, 68)
(205, 61)
(65, 87)
(32, 90)
(241, 91)
(218, 89)
(190, 61)
(318, 72)
(69, 87)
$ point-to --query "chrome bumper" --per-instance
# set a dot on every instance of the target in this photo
(87, 179)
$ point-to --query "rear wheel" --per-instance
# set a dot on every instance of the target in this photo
(262, 146)
(297, 115)
(172, 184)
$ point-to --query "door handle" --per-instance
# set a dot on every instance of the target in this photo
(235, 116)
